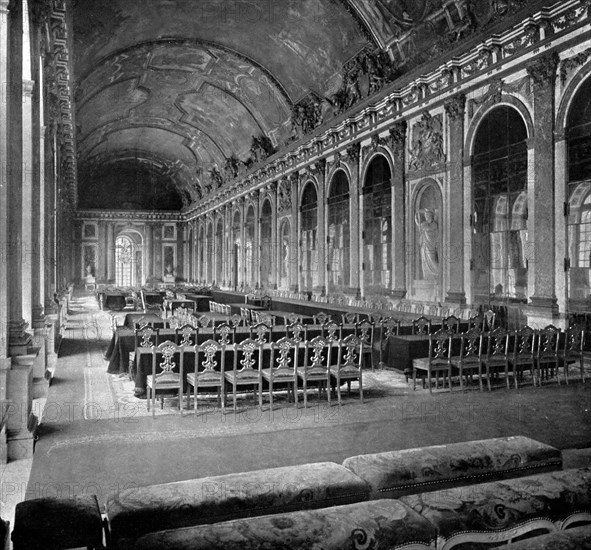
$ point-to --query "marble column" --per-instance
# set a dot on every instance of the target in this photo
(50, 221)
(320, 172)
(19, 340)
(4, 140)
(399, 252)
(242, 261)
(28, 213)
(355, 273)
(454, 247)
(541, 189)
(294, 249)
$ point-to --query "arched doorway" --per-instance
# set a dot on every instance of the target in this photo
(249, 247)
(128, 260)
(308, 244)
(377, 227)
(499, 216)
(338, 235)
(578, 136)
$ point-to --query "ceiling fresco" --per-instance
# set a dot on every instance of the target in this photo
(207, 88)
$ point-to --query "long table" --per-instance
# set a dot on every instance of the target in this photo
(112, 300)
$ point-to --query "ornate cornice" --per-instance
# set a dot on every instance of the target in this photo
(396, 102)
(127, 216)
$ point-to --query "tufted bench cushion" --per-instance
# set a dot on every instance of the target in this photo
(397, 473)
(135, 512)
(575, 538)
(375, 524)
(52, 523)
(503, 510)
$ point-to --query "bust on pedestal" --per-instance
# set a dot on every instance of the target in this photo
(168, 276)
(89, 280)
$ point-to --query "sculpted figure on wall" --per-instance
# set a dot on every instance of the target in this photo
(429, 243)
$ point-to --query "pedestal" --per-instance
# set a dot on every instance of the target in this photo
(19, 423)
(426, 291)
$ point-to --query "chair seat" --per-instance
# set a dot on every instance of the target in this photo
(344, 373)
(168, 385)
(278, 375)
(423, 364)
(242, 378)
(312, 375)
(211, 379)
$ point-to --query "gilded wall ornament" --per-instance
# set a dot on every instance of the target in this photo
(426, 148)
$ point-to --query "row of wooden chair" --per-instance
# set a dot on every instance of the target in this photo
(325, 364)
(544, 353)
(215, 307)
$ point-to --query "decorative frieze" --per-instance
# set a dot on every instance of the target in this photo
(572, 63)
(426, 149)
(491, 97)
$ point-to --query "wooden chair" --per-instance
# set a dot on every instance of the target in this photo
(224, 334)
(332, 331)
(421, 325)
(321, 318)
(437, 361)
(470, 358)
(348, 367)
(451, 323)
(207, 372)
(476, 320)
(293, 318)
(497, 353)
(248, 354)
(236, 320)
(166, 375)
(522, 356)
(205, 321)
(261, 333)
(283, 367)
(389, 327)
(186, 335)
(315, 368)
(571, 350)
(297, 332)
(489, 320)
(145, 338)
(546, 353)
(365, 331)
(350, 318)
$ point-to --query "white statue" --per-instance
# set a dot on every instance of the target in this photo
(429, 243)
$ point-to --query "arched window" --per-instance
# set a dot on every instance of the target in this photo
(338, 236)
(219, 257)
(124, 261)
(209, 253)
(579, 193)
(308, 244)
(377, 227)
(499, 216)
(266, 244)
(237, 247)
(249, 247)
(201, 253)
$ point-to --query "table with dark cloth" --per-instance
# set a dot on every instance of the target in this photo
(282, 317)
(171, 304)
(201, 301)
(131, 319)
(112, 299)
(235, 308)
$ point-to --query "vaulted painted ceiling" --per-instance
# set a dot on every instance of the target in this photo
(183, 85)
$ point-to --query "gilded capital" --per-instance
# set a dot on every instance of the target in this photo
(543, 70)
(455, 106)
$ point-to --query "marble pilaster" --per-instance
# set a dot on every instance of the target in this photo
(454, 250)
(399, 257)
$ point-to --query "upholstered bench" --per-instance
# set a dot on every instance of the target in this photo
(575, 538)
(397, 473)
(375, 524)
(58, 523)
(135, 512)
(492, 513)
